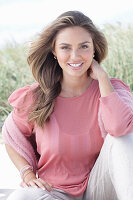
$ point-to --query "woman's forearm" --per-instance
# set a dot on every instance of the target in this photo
(98, 73)
(105, 85)
(20, 162)
(16, 158)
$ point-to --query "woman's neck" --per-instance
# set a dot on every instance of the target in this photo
(74, 87)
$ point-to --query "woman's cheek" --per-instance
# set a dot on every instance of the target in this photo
(88, 54)
(62, 57)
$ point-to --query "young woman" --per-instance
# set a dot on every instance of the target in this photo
(82, 120)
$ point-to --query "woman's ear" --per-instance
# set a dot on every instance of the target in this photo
(54, 54)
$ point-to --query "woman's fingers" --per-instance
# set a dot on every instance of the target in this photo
(32, 183)
(48, 186)
(24, 184)
(40, 183)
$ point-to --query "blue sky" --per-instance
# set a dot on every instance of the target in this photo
(22, 19)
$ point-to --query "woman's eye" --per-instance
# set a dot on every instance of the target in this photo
(65, 47)
(84, 46)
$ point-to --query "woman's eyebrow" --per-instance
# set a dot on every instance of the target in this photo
(64, 44)
(84, 42)
(78, 44)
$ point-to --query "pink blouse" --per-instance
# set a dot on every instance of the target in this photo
(71, 141)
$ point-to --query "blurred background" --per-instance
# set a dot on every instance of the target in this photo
(21, 20)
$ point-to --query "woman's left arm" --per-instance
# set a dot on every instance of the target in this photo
(116, 105)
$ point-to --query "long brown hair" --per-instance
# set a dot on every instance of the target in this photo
(46, 69)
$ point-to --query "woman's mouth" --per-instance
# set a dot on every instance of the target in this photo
(75, 66)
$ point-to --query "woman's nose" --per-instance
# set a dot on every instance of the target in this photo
(75, 54)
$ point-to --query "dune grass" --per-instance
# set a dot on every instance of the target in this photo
(15, 73)
(119, 62)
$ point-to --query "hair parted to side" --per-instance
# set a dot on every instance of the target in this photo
(45, 67)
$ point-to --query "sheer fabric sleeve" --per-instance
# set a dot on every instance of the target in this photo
(21, 100)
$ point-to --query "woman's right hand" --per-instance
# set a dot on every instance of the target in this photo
(29, 177)
(30, 180)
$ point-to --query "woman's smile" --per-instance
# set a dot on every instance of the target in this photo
(75, 66)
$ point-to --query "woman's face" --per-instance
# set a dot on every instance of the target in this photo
(74, 51)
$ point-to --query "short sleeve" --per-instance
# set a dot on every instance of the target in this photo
(21, 101)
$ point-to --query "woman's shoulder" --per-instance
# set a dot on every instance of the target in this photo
(22, 96)
(119, 84)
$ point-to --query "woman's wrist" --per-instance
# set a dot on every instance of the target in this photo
(102, 76)
(105, 85)
(28, 175)
(24, 169)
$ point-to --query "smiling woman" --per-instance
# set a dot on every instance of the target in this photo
(64, 132)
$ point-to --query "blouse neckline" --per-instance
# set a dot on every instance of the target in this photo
(79, 96)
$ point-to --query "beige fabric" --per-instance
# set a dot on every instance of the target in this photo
(100, 186)
(39, 194)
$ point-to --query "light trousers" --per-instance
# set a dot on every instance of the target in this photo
(110, 179)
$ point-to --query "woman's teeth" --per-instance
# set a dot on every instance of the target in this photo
(75, 65)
